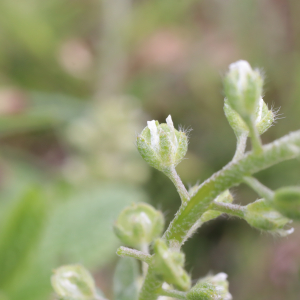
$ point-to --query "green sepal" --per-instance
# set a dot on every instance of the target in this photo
(261, 215)
(165, 151)
(182, 146)
(264, 118)
(147, 152)
(234, 119)
(139, 224)
(287, 202)
(168, 266)
(210, 288)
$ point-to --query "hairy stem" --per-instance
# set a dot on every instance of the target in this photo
(255, 138)
(145, 250)
(128, 252)
(173, 294)
(151, 286)
(228, 208)
(258, 187)
(183, 193)
(240, 146)
(231, 175)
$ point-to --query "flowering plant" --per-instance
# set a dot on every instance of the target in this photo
(141, 226)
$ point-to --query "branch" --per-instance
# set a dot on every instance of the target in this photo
(228, 208)
(285, 148)
(127, 252)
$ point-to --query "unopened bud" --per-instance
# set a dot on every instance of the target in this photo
(139, 224)
(211, 288)
(73, 282)
(168, 265)
(243, 89)
(261, 215)
(287, 202)
(161, 145)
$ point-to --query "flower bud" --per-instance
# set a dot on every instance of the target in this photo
(261, 215)
(73, 282)
(264, 118)
(243, 89)
(168, 265)
(287, 202)
(139, 224)
(210, 288)
(161, 145)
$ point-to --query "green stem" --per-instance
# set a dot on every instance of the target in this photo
(145, 250)
(183, 193)
(228, 208)
(240, 146)
(151, 286)
(255, 138)
(257, 186)
(173, 294)
(128, 252)
(287, 147)
(232, 174)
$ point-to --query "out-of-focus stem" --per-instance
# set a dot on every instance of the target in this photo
(173, 294)
(145, 250)
(258, 187)
(112, 54)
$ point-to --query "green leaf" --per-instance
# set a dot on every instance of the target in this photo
(80, 230)
(20, 233)
(126, 279)
(81, 227)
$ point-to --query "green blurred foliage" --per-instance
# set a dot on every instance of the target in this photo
(78, 80)
(125, 279)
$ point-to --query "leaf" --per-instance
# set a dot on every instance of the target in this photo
(20, 233)
(126, 279)
(80, 230)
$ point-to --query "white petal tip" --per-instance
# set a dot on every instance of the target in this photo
(240, 64)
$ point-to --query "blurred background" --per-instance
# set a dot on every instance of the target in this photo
(79, 79)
